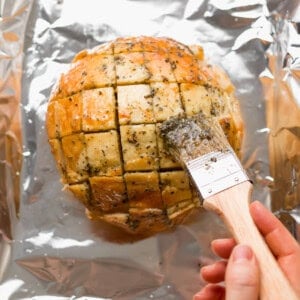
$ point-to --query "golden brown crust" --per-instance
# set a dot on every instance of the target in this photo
(103, 124)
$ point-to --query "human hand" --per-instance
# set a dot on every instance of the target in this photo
(240, 269)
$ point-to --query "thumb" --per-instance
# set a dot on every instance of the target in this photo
(242, 275)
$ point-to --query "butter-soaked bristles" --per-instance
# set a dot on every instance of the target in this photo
(187, 138)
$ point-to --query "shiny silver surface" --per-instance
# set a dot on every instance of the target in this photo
(48, 249)
(215, 172)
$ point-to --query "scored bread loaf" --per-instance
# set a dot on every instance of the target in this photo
(103, 122)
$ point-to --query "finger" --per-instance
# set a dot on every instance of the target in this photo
(214, 273)
(273, 231)
(211, 292)
(280, 242)
(223, 247)
(242, 275)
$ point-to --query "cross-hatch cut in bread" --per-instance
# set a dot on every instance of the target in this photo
(103, 123)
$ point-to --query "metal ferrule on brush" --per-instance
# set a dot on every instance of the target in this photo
(215, 172)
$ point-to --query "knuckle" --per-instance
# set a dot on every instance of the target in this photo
(243, 276)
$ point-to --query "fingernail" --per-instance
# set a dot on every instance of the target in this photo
(242, 252)
(199, 295)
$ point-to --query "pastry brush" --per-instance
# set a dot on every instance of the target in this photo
(199, 143)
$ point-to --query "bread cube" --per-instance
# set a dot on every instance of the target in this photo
(143, 190)
(103, 198)
(196, 98)
(130, 68)
(159, 67)
(175, 187)
(75, 157)
(135, 104)
(103, 153)
(139, 147)
(166, 160)
(98, 109)
(166, 100)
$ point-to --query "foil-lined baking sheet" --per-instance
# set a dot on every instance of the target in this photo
(48, 248)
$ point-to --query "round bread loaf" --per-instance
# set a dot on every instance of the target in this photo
(103, 121)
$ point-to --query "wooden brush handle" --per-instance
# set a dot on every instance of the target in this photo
(233, 207)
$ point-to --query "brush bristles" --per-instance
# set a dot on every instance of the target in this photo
(187, 138)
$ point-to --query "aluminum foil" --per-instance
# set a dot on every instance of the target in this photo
(48, 248)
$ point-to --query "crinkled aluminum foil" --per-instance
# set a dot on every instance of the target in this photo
(48, 249)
